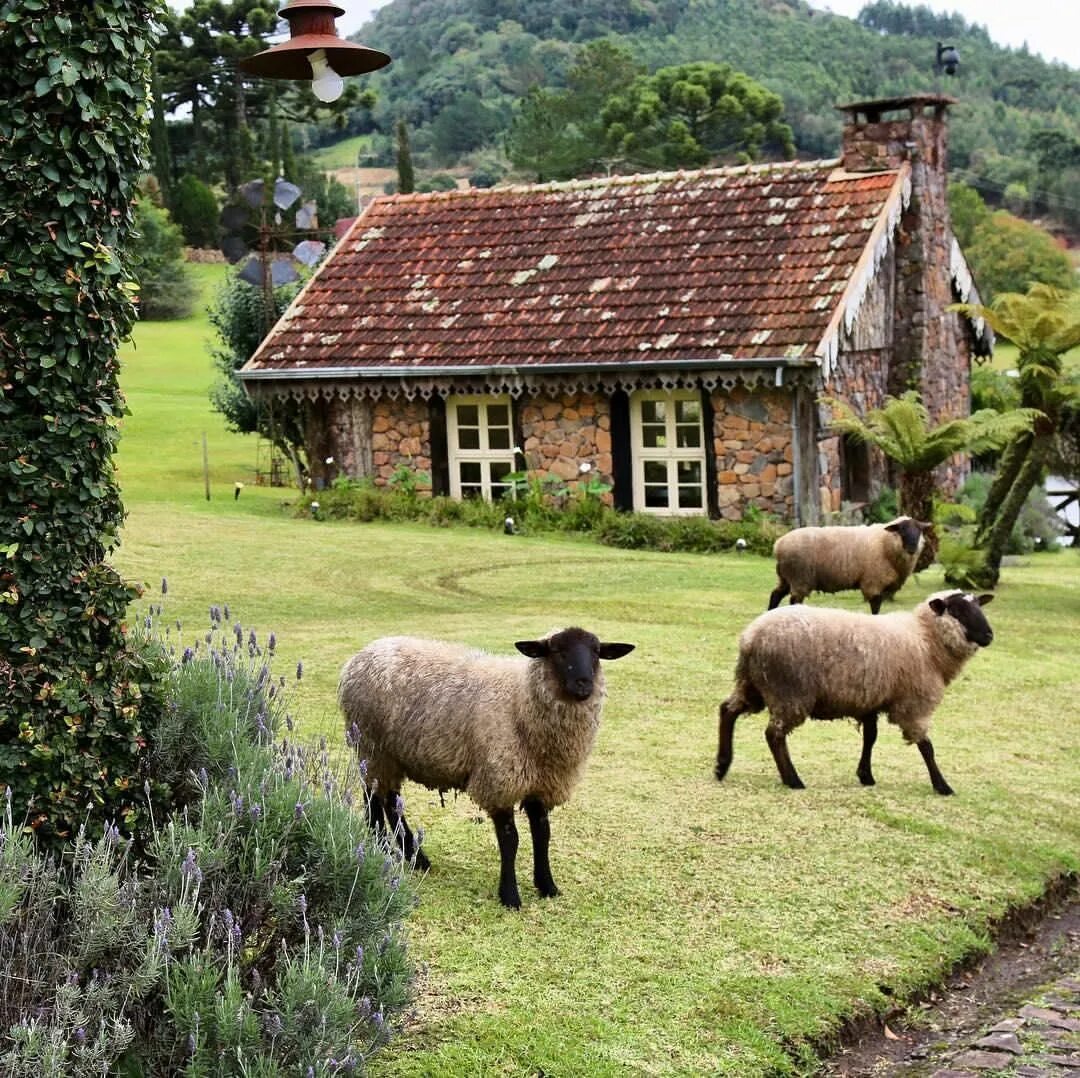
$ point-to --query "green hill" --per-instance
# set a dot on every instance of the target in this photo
(462, 66)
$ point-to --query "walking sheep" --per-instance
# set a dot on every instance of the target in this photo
(506, 730)
(821, 663)
(875, 558)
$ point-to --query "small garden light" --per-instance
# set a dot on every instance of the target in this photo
(314, 52)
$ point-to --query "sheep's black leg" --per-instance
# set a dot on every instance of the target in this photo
(778, 593)
(778, 745)
(937, 780)
(506, 833)
(375, 813)
(869, 736)
(399, 831)
(729, 712)
(540, 827)
(875, 604)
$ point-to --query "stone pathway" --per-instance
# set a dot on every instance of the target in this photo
(1042, 1040)
(1015, 1014)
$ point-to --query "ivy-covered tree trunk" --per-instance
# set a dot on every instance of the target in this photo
(1012, 460)
(74, 114)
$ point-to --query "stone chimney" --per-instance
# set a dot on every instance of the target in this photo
(880, 136)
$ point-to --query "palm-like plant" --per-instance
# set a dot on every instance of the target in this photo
(1044, 324)
(902, 429)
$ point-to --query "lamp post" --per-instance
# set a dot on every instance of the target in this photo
(314, 52)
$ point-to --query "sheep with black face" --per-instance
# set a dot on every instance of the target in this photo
(876, 559)
(812, 662)
(507, 730)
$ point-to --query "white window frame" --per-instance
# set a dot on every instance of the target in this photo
(484, 455)
(670, 455)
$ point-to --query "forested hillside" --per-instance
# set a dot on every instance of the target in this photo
(463, 67)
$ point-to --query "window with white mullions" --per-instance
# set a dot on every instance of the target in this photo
(668, 452)
(480, 445)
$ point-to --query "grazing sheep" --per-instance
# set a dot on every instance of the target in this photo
(820, 663)
(875, 558)
(506, 730)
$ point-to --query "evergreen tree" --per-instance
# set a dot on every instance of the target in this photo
(406, 181)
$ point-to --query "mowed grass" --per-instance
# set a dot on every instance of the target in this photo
(704, 928)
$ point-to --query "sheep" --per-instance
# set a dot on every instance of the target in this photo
(875, 558)
(506, 730)
(824, 663)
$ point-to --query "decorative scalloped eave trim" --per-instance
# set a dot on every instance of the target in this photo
(877, 247)
(965, 288)
(518, 385)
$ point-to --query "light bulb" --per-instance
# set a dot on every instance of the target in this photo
(326, 83)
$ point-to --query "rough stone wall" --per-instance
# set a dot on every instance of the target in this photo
(400, 437)
(930, 347)
(560, 434)
(752, 439)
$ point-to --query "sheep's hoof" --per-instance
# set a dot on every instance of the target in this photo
(721, 769)
(510, 901)
(795, 783)
(944, 789)
(548, 890)
(421, 862)
(866, 778)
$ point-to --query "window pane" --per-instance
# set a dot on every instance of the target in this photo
(687, 437)
(471, 492)
(498, 415)
(656, 497)
(653, 411)
(468, 415)
(498, 469)
(653, 437)
(468, 438)
(470, 471)
(689, 471)
(688, 412)
(655, 472)
(689, 497)
(498, 437)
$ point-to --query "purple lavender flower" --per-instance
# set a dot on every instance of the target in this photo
(80, 1035)
(271, 643)
(190, 867)
(337, 941)
(187, 656)
(301, 904)
(298, 812)
(360, 962)
(299, 670)
(164, 586)
(256, 812)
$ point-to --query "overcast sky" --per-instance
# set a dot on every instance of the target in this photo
(1050, 27)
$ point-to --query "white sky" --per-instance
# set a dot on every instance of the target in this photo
(1050, 27)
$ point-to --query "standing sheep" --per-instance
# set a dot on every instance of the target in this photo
(875, 558)
(820, 663)
(506, 730)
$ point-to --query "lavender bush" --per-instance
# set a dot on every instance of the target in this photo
(257, 929)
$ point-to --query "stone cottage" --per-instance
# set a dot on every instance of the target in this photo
(672, 331)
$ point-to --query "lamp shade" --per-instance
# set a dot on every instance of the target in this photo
(312, 27)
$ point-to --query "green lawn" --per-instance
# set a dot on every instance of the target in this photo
(341, 154)
(703, 928)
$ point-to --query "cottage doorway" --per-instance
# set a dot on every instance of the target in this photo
(668, 449)
(480, 445)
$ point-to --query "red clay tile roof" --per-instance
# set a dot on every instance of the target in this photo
(735, 263)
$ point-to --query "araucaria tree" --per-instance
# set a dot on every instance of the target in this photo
(1044, 324)
(902, 429)
(74, 112)
(695, 114)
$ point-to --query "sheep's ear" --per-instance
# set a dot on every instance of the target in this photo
(939, 606)
(924, 525)
(535, 649)
(615, 651)
(982, 600)
(894, 527)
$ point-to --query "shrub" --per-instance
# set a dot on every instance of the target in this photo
(166, 287)
(1037, 527)
(262, 933)
(195, 209)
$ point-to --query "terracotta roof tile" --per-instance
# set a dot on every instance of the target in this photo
(744, 263)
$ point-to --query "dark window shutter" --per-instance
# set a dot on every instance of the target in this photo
(622, 461)
(708, 426)
(440, 453)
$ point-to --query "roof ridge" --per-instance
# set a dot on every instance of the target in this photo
(622, 180)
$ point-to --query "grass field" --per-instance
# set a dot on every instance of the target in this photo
(703, 928)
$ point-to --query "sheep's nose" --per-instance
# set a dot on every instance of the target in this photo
(581, 688)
